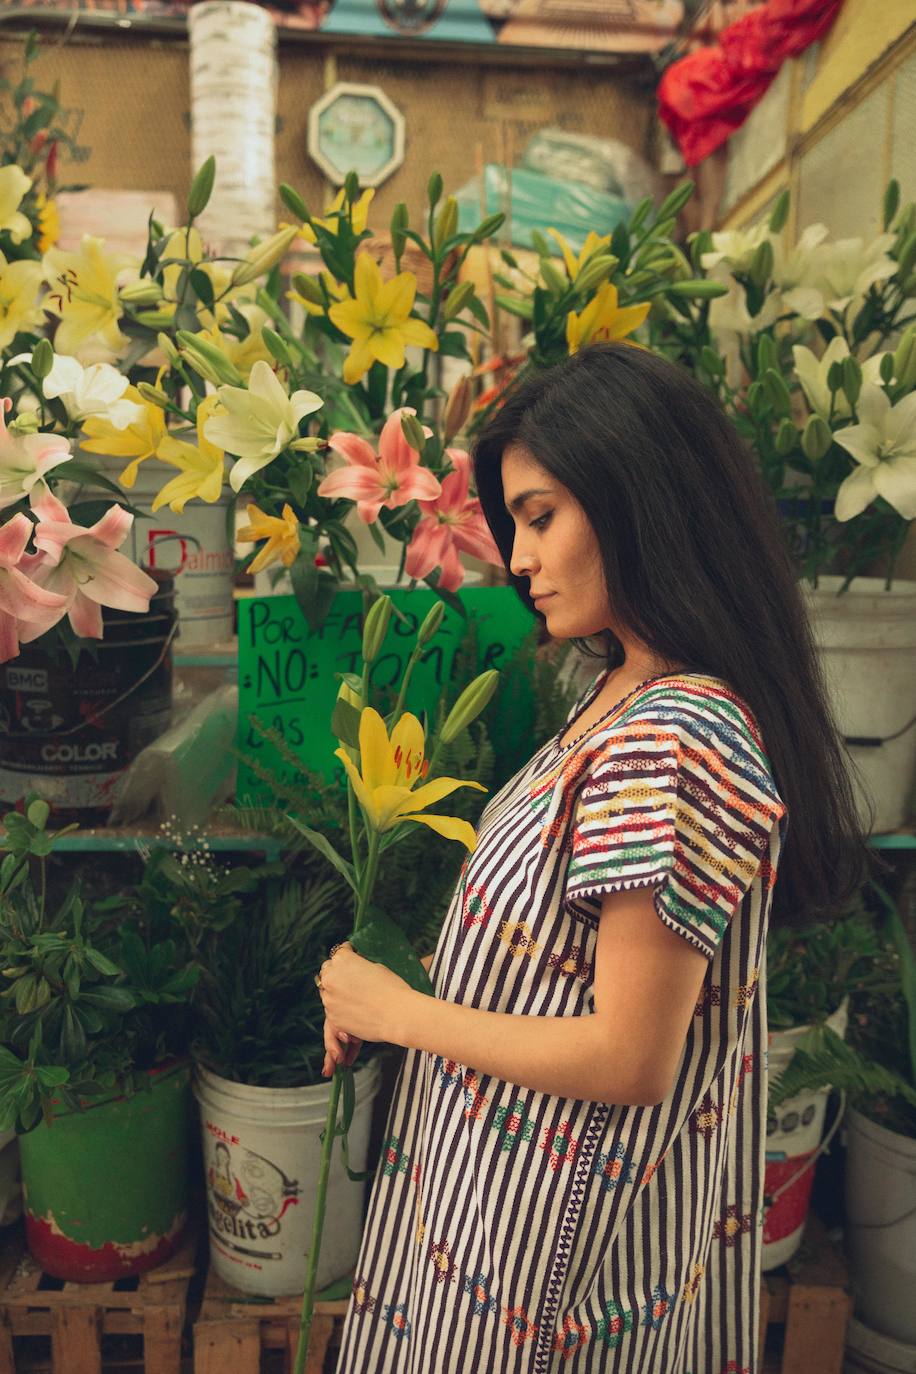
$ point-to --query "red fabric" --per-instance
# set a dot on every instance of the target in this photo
(705, 96)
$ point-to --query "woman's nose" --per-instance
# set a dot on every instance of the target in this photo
(522, 561)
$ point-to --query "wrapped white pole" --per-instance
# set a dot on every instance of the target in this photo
(233, 117)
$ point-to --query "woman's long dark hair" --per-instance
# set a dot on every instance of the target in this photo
(698, 569)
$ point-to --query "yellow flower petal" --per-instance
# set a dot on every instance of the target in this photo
(363, 795)
(358, 361)
(407, 736)
(396, 297)
(387, 346)
(572, 266)
(375, 752)
(419, 333)
(451, 827)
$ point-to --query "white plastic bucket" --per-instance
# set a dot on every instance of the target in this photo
(867, 1352)
(262, 1153)
(881, 1216)
(794, 1132)
(194, 546)
(867, 639)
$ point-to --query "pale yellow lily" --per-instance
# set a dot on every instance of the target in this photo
(201, 466)
(593, 244)
(84, 294)
(13, 185)
(390, 770)
(377, 318)
(20, 308)
(602, 318)
(138, 441)
(359, 216)
(281, 533)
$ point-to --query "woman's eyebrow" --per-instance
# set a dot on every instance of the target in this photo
(518, 501)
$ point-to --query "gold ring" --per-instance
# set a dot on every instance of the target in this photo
(318, 982)
(334, 949)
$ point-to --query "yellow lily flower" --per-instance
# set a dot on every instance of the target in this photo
(48, 223)
(201, 466)
(592, 245)
(13, 185)
(20, 309)
(138, 441)
(282, 537)
(377, 318)
(391, 768)
(359, 215)
(603, 319)
(84, 294)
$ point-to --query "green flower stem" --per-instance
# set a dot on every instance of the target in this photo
(366, 886)
(405, 683)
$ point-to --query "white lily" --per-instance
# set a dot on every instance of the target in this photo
(13, 185)
(850, 266)
(93, 390)
(883, 443)
(812, 373)
(259, 421)
(25, 459)
(735, 247)
(796, 274)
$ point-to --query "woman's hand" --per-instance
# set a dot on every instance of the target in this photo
(340, 1049)
(361, 1000)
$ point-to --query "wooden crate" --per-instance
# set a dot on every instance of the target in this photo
(804, 1309)
(235, 1329)
(76, 1318)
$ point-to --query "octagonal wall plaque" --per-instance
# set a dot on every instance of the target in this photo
(356, 128)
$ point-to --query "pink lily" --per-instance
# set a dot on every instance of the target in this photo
(451, 524)
(82, 565)
(24, 606)
(390, 478)
(25, 458)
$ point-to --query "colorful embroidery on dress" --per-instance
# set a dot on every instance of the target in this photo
(521, 1328)
(477, 910)
(481, 1299)
(396, 1316)
(655, 1312)
(362, 1299)
(614, 1324)
(517, 935)
(707, 1118)
(711, 996)
(572, 963)
(745, 994)
(513, 1123)
(560, 1145)
(692, 1286)
(571, 1338)
(396, 1159)
(440, 1256)
(732, 1225)
(613, 1167)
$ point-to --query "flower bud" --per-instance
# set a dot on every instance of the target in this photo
(761, 268)
(351, 187)
(168, 348)
(156, 319)
(154, 394)
(907, 256)
(434, 189)
(413, 432)
(308, 445)
(777, 391)
(904, 354)
(142, 292)
(886, 369)
(852, 379)
(786, 437)
(767, 355)
(816, 438)
(675, 201)
(446, 223)
(431, 623)
(201, 188)
(474, 699)
(835, 376)
(42, 359)
(263, 257)
(26, 422)
(294, 202)
(553, 278)
(309, 287)
(891, 202)
(457, 407)
(780, 213)
(207, 360)
(515, 305)
(399, 222)
(277, 346)
(540, 244)
(700, 289)
(457, 299)
(376, 627)
(595, 272)
(488, 227)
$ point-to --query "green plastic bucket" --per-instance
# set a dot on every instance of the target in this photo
(105, 1189)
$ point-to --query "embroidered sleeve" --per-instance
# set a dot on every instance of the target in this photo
(682, 802)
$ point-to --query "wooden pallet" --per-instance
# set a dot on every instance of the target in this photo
(804, 1309)
(234, 1329)
(83, 1320)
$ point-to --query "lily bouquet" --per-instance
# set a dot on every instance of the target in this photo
(811, 348)
(392, 783)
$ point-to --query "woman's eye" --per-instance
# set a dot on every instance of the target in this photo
(542, 521)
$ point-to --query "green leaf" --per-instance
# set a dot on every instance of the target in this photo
(109, 999)
(51, 1077)
(38, 812)
(383, 942)
(101, 963)
(324, 846)
(345, 723)
(202, 287)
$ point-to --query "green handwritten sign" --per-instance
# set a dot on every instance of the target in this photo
(287, 672)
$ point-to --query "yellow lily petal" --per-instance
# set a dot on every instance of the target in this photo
(628, 319)
(358, 361)
(572, 266)
(407, 736)
(418, 332)
(432, 792)
(387, 346)
(451, 827)
(363, 795)
(351, 318)
(375, 752)
(367, 282)
(396, 297)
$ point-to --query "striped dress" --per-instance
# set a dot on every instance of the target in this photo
(522, 1233)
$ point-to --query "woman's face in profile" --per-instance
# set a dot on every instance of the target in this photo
(555, 547)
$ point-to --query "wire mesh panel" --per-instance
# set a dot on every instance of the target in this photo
(842, 177)
(903, 128)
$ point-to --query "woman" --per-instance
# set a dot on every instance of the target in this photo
(573, 1174)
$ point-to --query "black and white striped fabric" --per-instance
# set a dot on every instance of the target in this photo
(521, 1233)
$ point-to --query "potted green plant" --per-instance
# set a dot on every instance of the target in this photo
(876, 1069)
(92, 1067)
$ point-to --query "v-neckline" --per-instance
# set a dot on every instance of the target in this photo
(560, 748)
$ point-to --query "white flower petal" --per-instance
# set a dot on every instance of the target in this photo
(895, 480)
(900, 427)
(862, 442)
(857, 492)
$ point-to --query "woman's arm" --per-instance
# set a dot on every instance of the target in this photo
(647, 982)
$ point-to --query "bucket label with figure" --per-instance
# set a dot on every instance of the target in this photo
(247, 1199)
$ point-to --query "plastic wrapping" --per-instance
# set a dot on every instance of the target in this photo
(539, 203)
(188, 770)
(602, 164)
